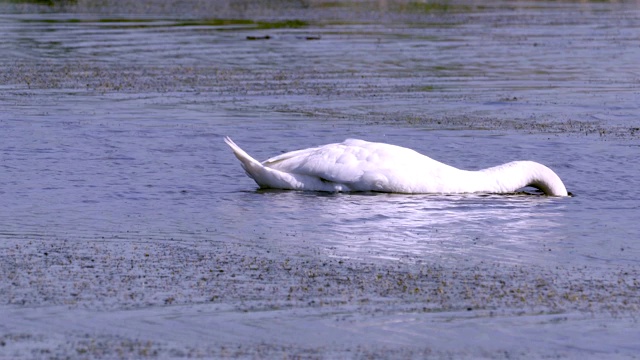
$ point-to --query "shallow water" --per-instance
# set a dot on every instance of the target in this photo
(121, 201)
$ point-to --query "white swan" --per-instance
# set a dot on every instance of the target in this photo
(357, 165)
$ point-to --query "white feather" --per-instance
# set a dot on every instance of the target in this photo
(357, 165)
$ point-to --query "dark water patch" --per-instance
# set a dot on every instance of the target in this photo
(49, 3)
(421, 73)
(438, 7)
(146, 23)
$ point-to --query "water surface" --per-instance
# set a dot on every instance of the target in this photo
(126, 218)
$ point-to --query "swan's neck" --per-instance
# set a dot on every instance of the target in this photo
(518, 174)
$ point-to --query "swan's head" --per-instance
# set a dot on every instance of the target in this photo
(519, 174)
(551, 188)
(545, 179)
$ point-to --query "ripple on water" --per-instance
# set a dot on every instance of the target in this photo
(421, 228)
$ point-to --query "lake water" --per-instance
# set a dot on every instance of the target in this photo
(128, 228)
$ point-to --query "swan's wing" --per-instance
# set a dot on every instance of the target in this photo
(291, 155)
(347, 162)
(332, 162)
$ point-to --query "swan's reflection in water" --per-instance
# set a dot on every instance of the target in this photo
(469, 228)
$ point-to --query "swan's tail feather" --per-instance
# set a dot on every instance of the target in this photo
(265, 177)
(245, 159)
(249, 164)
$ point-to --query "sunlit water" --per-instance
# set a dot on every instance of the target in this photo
(78, 177)
(141, 158)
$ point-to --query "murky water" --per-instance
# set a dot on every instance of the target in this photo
(126, 218)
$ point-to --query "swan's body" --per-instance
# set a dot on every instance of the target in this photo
(357, 165)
